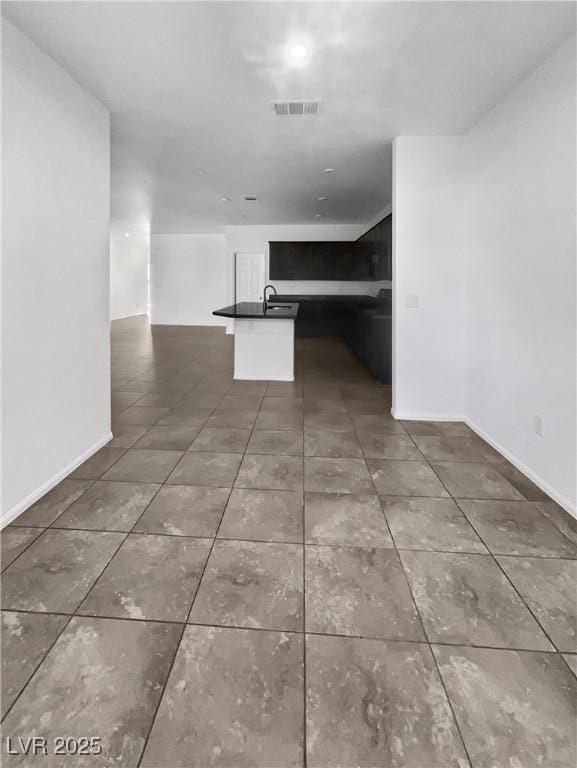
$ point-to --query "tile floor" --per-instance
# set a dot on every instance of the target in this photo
(270, 574)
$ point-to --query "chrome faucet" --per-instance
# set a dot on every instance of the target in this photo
(265, 302)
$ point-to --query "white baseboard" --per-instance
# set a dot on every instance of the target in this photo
(535, 478)
(542, 484)
(23, 505)
(425, 416)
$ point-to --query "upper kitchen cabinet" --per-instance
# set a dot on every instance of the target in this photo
(291, 261)
(377, 245)
(368, 258)
(318, 261)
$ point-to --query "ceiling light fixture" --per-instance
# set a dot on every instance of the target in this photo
(329, 170)
(298, 52)
(225, 199)
(201, 172)
(127, 234)
(318, 215)
(323, 199)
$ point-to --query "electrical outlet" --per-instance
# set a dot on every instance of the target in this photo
(538, 425)
(412, 301)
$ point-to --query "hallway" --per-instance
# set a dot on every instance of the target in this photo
(278, 574)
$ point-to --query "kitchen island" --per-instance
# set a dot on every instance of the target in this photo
(263, 339)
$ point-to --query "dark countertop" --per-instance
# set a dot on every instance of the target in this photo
(255, 310)
(359, 298)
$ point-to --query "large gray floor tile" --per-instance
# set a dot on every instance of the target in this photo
(333, 445)
(571, 659)
(514, 708)
(234, 698)
(239, 403)
(472, 480)
(347, 519)
(51, 505)
(253, 388)
(405, 478)
(14, 541)
(358, 591)
(440, 428)
(516, 528)
(279, 420)
(335, 422)
(166, 438)
(520, 482)
(287, 442)
(371, 425)
(377, 445)
(144, 466)
(466, 599)
(271, 472)
(184, 510)
(150, 577)
(108, 506)
(217, 470)
(97, 464)
(57, 570)
(561, 519)
(456, 448)
(237, 419)
(126, 435)
(373, 703)
(337, 476)
(141, 415)
(263, 516)
(549, 587)
(221, 439)
(26, 638)
(102, 678)
(251, 584)
(433, 524)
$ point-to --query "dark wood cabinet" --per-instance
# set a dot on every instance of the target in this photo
(368, 258)
(377, 245)
(317, 261)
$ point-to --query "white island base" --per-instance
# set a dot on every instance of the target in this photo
(264, 349)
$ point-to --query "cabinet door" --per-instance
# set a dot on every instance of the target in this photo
(345, 257)
(324, 261)
(302, 262)
(290, 261)
(388, 248)
(280, 261)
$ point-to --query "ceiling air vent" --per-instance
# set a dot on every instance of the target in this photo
(282, 108)
(250, 198)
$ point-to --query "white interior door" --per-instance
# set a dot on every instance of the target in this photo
(250, 277)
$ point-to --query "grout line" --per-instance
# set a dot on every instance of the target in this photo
(421, 622)
(161, 696)
(205, 349)
(42, 660)
(391, 639)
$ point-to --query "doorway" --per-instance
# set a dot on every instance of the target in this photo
(250, 273)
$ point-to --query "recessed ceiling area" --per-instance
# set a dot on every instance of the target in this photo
(190, 87)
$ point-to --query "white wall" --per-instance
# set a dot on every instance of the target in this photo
(521, 302)
(429, 265)
(188, 278)
(484, 232)
(55, 288)
(129, 254)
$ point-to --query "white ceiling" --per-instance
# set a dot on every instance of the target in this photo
(189, 86)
